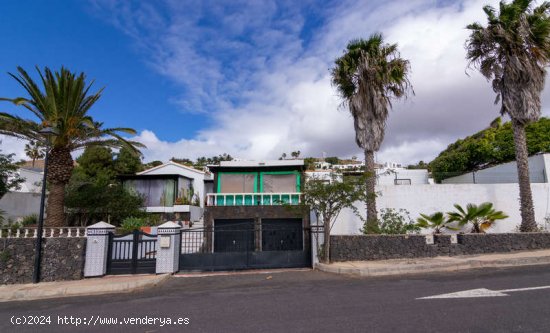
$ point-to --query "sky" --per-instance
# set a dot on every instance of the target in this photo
(251, 78)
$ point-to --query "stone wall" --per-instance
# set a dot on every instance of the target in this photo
(62, 259)
(380, 247)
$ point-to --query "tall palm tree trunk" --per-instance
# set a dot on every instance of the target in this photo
(372, 213)
(526, 198)
(60, 166)
(55, 212)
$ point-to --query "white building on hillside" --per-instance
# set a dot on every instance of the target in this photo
(539, 169)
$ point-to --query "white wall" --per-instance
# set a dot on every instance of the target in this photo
(419, 176)
(539, 166)
(33, 181)
(429, 199)
(19, 204)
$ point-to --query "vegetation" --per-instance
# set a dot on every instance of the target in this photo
(202, 161)
(491, 146)
(130, 224)
(419, 165)
(30, 220)
(9, 178)
(436, 221)
(63, 104)
(327, 199)
(393, 222)
(188, 197)
(95, 194)
(34, 150)
(481, 217)
(368, 76)
(332, 160)
(513, 51)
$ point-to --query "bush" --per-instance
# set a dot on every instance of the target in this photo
(394, 222)
(130, 224)
(30, 220)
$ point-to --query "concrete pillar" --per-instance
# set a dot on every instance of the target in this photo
(168, 247)
(97, 245)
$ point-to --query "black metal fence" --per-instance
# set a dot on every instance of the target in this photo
(232, 246)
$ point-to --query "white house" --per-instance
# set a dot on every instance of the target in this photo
(171, 188)
(539, 169)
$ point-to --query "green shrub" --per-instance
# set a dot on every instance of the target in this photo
(394, 222)
(28, 220)
(438, 222)
(130, 224)
(5, 256)
(481, 217)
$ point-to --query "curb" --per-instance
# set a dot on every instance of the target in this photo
(432, 268)
(35, 292)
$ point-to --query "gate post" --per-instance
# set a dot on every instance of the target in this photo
(317, 238)
(97, 244)
(168, 247)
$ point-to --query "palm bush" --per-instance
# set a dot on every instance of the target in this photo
(481, 217)
(436, 221)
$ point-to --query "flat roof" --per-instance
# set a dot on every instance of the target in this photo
(259, 163)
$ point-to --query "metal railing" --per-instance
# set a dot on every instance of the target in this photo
(46, 232)
(253, 199)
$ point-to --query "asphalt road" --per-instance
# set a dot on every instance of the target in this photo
(306, 301)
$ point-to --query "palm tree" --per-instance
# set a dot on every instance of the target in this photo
(481, 217)
(435, 221)
(62, 104)
(513, 51)
(368, 76)
(34, 151)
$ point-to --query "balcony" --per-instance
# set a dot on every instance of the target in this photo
(253, 199)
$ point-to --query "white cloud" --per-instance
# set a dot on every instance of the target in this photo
(266, 88)
(11, 145)
(291, 104)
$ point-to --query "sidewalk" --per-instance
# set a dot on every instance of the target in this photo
(91, 286)
(437, 264)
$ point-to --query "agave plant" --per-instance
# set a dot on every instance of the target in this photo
(481, 217)
(437, 221)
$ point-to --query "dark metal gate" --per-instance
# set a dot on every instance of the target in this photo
(232, 245)
(132, 253)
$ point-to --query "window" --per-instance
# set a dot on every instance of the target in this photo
(156, 192)
(279, 183)
(236, 183)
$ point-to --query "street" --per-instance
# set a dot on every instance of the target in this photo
(307, 301)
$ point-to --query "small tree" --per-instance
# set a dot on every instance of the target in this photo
(34, 150)
(9, 178)
(392, 222)
(327, 199)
